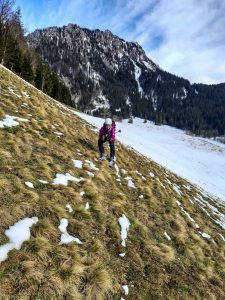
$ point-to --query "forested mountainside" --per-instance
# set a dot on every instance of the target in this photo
(106, 74)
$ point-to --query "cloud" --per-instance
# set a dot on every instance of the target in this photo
(193, 38)
(185, 37)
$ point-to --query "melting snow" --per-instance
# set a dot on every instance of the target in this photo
(82, 193)
(58, 133)
(122, 254)
(117, 170)
(87, 206)
(187, 187)
(203, 204)
(92, 165)
(162, 185)
(17, 234)
(66, 238)
(206, 235)
(29, 184)
(222, 237)
(26, 94)
(124, 223)
(90, 173)
(12, 91)
(152, 174)
(9, 121)
(167, 236)
(137, 74)
(126, 289)
(187, 214)
(43, 181)
(130, 182)
(63, 179)
(77, 163)
(68, 206)
(176, 189)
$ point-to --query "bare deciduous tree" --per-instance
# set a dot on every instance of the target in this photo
(6, 14)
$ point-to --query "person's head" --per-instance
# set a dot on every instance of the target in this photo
(108, 122)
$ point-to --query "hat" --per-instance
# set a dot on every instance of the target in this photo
(108, 121)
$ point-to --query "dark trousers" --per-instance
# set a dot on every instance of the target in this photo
(101, 147)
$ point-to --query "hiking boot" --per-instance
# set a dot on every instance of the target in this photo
(103, 156)
(111, 162)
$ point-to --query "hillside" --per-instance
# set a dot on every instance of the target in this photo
(106, 74)
(172, 249)
(197, 159)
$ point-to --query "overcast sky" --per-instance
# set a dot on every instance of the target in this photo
(184, 37)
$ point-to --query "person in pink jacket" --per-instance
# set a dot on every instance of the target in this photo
(107, 133)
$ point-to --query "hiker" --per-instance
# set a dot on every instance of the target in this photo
(107, 134)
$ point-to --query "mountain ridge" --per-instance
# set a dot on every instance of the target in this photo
(107, 75)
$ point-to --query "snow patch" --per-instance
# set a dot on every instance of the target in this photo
(17, 234)
(90, 173)
(117, 170)
(130, 182)
(167, 236)
(63, 179)
(122, 254)
(137, 74)
(222, 237)
(126, 289)
(92, 165)
(205, 235)
(68, 206)
(176, 189)
(77, 163)
(124, 224)
(9, 121)
(187, 214)
(66, 238)
(29, 184)
(13, 92)
(43, 181)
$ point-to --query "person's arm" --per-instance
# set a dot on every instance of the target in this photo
(113, 132)
(101, 131)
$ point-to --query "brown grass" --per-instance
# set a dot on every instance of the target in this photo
(187, 267)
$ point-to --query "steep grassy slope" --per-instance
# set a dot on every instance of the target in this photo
(188, 266)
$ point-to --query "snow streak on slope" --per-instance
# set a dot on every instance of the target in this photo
(199, 160)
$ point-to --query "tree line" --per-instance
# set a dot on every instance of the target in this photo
(19, 58)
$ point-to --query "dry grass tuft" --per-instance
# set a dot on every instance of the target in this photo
(98, 283)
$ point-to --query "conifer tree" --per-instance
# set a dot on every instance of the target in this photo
(27, 70)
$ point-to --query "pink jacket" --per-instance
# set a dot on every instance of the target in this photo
(111, 132)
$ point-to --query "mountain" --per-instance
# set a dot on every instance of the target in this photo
(106, 74)
(72, 228)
